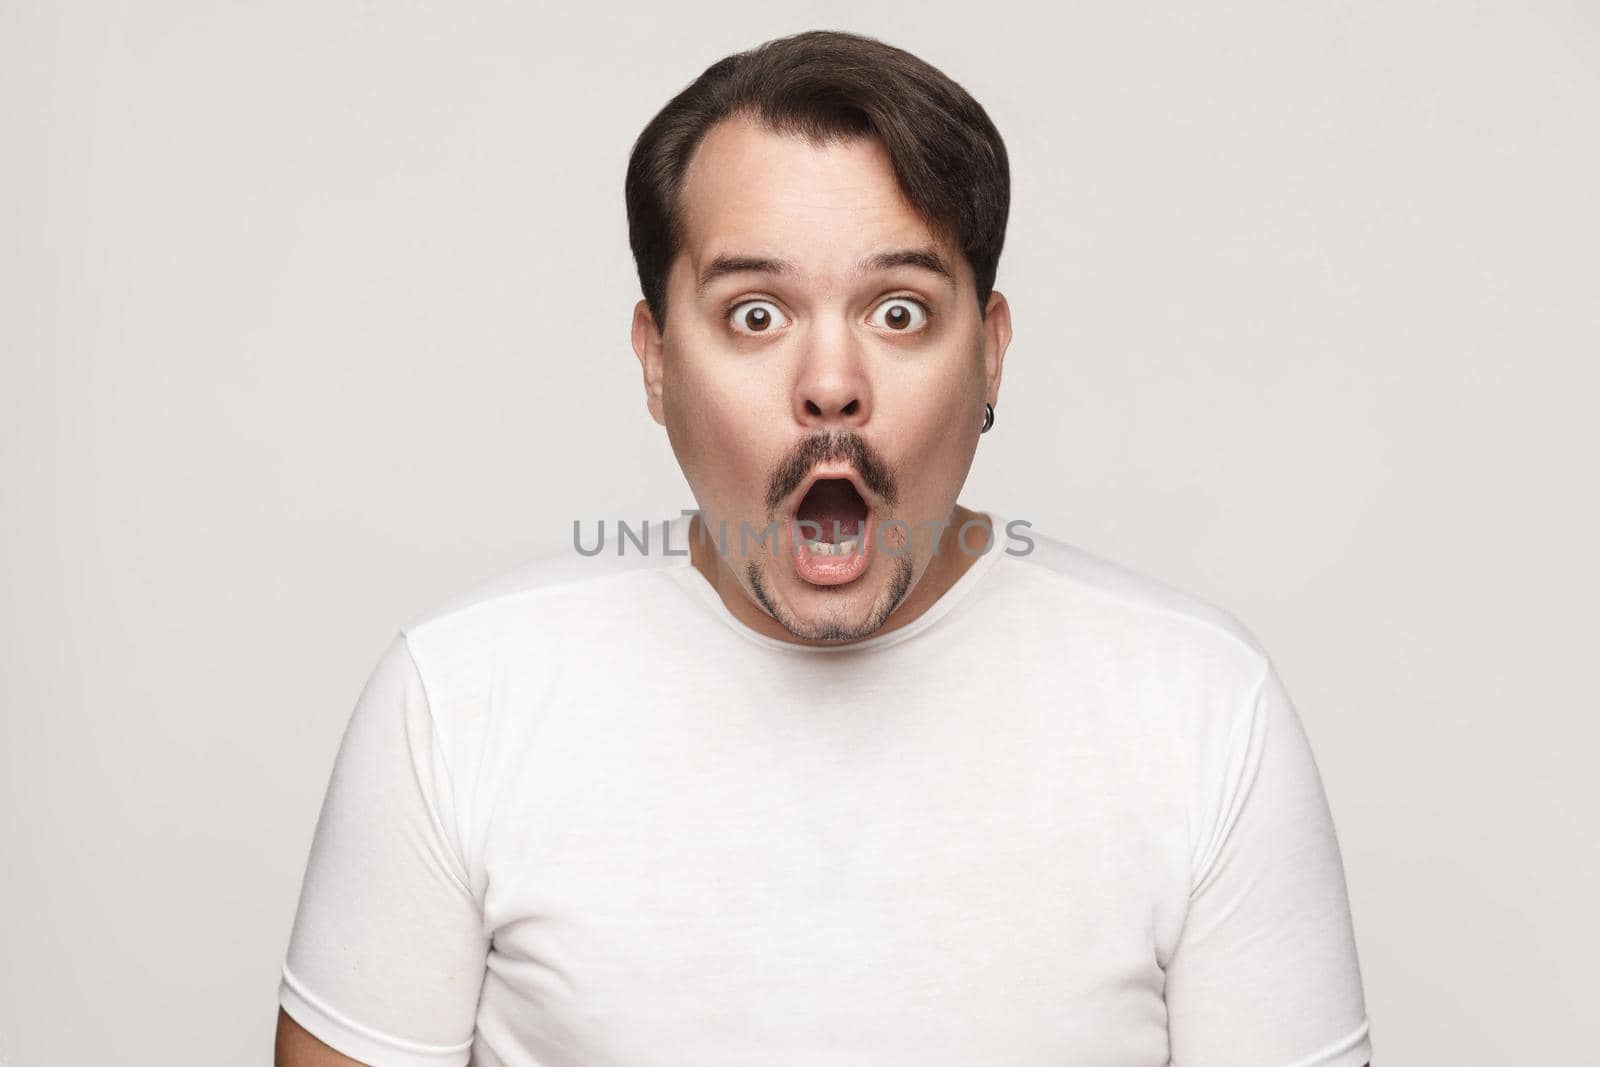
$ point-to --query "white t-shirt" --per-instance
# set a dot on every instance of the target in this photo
(1068, 816)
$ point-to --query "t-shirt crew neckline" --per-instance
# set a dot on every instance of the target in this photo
(689, 576)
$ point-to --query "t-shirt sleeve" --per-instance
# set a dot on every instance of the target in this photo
(387, 955)
(1265, 972)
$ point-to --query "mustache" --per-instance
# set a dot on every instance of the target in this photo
(828, 447)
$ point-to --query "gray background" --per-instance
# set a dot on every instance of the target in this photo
(313, 314)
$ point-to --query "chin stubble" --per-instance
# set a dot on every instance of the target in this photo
(899, 586)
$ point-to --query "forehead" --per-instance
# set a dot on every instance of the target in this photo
(749, 190)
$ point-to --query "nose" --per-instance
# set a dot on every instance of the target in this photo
(832, 391)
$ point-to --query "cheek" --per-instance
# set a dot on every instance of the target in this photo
(689, 399)
(717, 429)
(933, 445)
(940, 424)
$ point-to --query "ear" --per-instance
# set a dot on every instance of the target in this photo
(647, 345)
(996, 339)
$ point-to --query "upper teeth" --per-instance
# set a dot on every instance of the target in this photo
(823, 548)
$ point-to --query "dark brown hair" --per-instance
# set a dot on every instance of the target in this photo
(826, 85)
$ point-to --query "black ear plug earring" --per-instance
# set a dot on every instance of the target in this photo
(988, 418)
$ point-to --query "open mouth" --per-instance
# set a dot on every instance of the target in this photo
(831, 517)
(831, 532)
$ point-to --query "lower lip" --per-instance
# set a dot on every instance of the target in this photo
(830, 570)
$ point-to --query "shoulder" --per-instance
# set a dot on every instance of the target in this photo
(559, 597)
(483, 657)
(1126, 616)
(1179, 677)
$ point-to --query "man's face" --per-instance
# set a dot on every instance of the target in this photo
(824, 406)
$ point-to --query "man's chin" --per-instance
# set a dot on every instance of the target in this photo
(836, 613)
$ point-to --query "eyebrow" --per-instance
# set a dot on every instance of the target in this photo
(738, 263)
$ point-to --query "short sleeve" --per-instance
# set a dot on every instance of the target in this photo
(387, 955)
(1265, 972)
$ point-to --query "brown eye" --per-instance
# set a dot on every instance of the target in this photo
(756, 316)
(902, 315)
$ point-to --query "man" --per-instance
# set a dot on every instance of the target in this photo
(838, 771)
